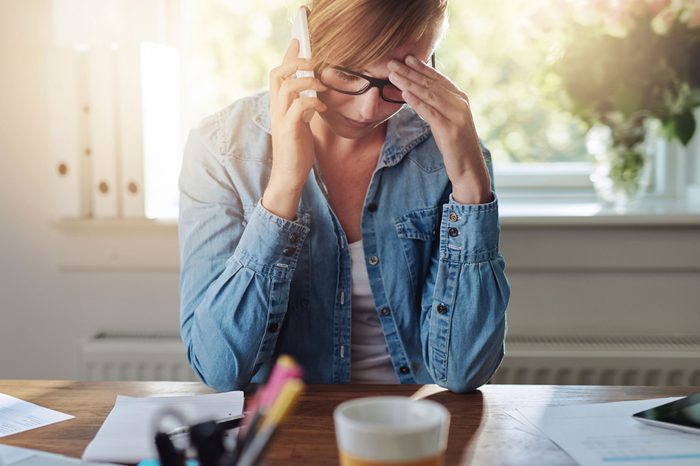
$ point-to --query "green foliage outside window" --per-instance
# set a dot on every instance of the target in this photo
(234, 43)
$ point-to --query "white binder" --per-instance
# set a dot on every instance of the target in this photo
(103, 129)
(68, 133)
(161, 128)
(131, 130)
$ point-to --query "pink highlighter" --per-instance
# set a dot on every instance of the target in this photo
(285, 369)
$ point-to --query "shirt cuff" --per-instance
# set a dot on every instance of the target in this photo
(469, 232)
(271, 244)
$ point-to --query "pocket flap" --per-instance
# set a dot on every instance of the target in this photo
(422, 224)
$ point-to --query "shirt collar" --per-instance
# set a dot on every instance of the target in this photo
(261, 117)
(405, 131)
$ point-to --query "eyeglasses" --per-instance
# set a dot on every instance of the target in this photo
(351, 82)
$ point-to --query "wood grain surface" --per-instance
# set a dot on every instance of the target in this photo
(481, 433)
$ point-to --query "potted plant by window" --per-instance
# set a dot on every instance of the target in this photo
(617, 65)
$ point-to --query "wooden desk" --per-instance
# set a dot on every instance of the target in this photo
(480, 434)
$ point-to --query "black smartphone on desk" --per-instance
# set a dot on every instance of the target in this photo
(683, 414)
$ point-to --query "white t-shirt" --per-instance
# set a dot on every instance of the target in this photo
(370, 360)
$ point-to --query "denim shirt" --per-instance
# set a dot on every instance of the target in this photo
(254, 285)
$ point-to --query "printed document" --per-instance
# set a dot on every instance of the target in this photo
(18, 415)
(605, 434)
(127, 435)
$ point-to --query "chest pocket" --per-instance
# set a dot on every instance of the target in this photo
(418, 232)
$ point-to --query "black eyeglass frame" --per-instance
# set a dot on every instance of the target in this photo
(372, 82)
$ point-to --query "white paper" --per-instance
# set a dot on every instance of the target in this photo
(12, 455)
(15, 456)
(162, 134)
(18, 415)
(127, 435)
(606, 434)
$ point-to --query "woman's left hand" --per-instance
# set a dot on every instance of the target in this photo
(446, 109)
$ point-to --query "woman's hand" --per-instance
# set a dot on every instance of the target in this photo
(292, 141)
(446, 109)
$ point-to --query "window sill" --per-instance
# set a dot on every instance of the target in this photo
(119, 224)
(545, 235)
(116, 244)
(583, 237)
(585, 213)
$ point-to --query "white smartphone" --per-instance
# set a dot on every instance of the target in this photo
(300, 31)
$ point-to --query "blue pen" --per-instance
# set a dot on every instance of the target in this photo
(157, 463)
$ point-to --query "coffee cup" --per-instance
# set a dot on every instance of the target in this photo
(391, 430)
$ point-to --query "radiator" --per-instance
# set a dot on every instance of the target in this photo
(600, 360)
(112, 356)
(580, 360)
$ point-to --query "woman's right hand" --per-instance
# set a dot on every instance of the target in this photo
(292, 141)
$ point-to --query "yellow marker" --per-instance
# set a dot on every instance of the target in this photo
(286, 361)
(283, 405)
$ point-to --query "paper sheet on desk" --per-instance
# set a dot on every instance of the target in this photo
(18, 415)
(605, 434)
(15, 456)
(126, 436)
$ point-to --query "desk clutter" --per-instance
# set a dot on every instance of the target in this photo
(179, 429)
(211, 428)
(205, 430)
(213, 443)
(126, 435)
(601, 434)
(18, 416)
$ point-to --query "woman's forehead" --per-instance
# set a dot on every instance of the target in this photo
(421, 49)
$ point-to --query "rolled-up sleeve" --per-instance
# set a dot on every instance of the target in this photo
(465, 298)
(236, 268)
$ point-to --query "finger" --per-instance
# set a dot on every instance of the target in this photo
(290, 67)
(302, 108)
(422, 67)
(428, 112)
(287, 69)
(451, 104)
(294, 85)
(413, 75)
(292, 50)
(435, 96)
(413, 65)
(290, 88)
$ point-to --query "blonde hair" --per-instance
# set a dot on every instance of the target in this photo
(356, 33)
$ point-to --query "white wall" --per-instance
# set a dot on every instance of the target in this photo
(56, 289)
(44, 311)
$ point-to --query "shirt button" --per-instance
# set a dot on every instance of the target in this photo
(373, 260)
(293, 237)
(404, 370)
(441, 308)
(385, 311)
(289, 252)
(452, 231)
(453, 217)
(273, 327)
(372, 207)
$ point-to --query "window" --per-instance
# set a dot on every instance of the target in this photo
(226, 48)
(231, 46)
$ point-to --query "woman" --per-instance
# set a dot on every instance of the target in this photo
(364, 243)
